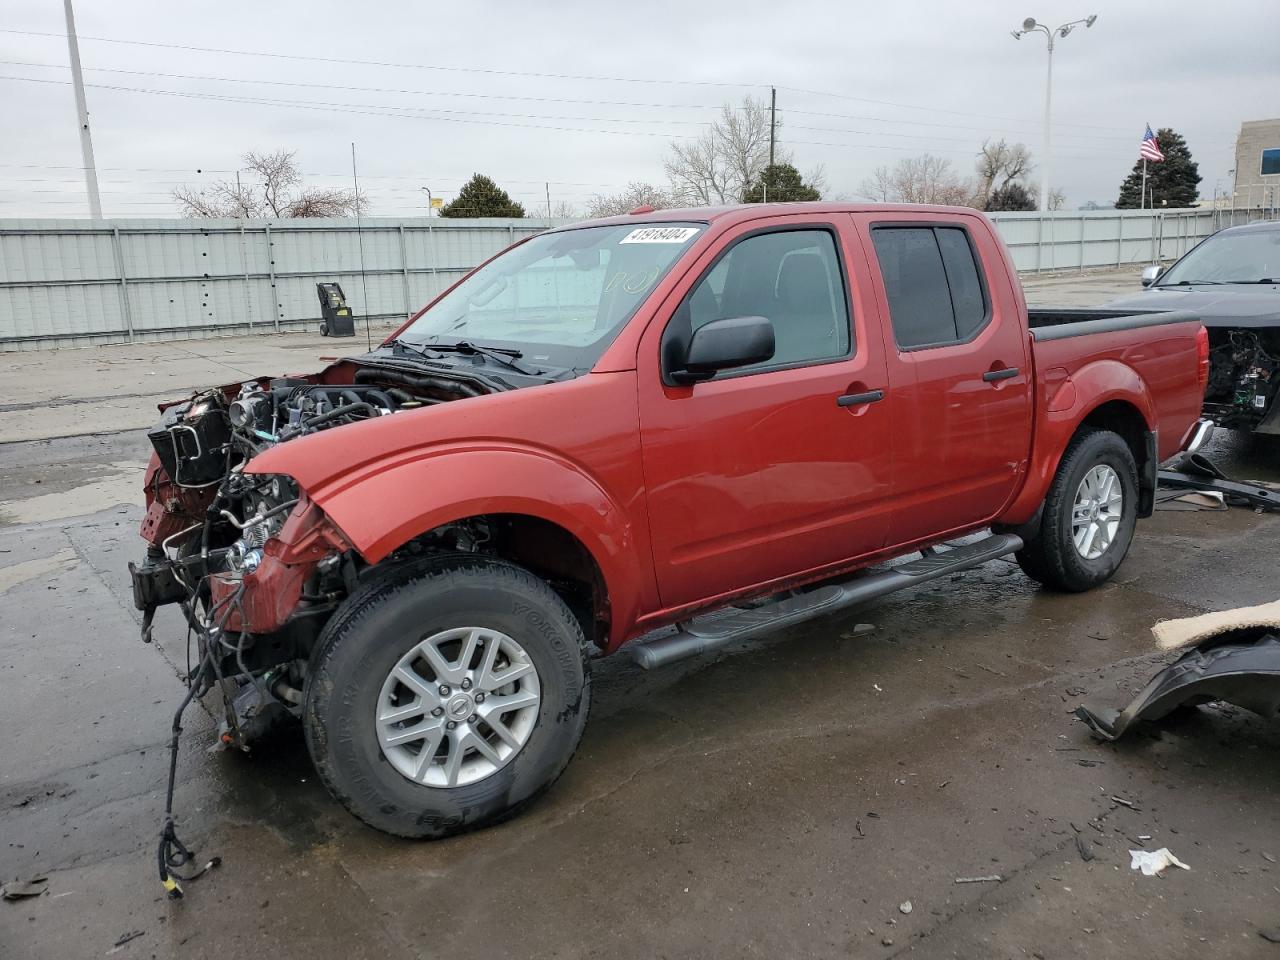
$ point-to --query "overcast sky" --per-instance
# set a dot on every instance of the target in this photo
(466, 87)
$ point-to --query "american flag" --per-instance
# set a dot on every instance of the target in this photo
(1150, 150)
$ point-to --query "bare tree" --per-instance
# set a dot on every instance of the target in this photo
(564, 210)
(273, 188)
(922, 179)
(878, 187)
(727, 158)
(1000, 164)
(1057, 199)
(635, 195)
(817, 177)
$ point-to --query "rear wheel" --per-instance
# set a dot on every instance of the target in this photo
(1089, 515)
(446, 696)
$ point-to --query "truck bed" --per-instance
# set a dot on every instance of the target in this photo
(1057, 323)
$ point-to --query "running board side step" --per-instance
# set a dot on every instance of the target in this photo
(732, 624)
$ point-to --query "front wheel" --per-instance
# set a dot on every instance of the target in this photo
(446, 696)
(1089, 515)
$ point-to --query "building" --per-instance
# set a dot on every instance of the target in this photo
(1257, 178)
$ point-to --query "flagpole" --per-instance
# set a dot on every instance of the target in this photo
(1142, 201)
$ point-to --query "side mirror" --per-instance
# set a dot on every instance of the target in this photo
(1151, 274)
(725, 344)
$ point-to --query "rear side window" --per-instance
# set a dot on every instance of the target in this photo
(932, 279)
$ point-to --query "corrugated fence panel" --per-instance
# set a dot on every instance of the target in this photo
(79, 282)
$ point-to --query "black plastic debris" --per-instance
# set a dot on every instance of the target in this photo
(1193, 471)
(1241, 667)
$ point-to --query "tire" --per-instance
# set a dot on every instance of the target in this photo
(346, 705)
(1053, 557)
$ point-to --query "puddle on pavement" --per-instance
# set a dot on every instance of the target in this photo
(122, 484)
(17, 573)
(1245, 456)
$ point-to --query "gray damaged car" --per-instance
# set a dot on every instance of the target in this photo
(1230, 280)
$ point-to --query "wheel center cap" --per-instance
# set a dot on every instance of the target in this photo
(460, 707)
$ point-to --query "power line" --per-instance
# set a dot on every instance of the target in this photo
(416, 178)
(373, 110)
(338, 86)
(527, 99)
(948, 126)
(310, 58)
(916, 106)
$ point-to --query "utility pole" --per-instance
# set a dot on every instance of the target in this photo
(82, 114)
(548, 186)
(773, 127)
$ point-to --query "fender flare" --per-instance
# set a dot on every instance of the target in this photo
(381, 506)
(1089, 388)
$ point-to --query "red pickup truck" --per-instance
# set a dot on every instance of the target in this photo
(714, 421)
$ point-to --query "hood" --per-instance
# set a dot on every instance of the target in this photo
(1235, 306)
(327, 461)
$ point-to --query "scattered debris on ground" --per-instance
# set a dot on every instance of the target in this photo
(21, 889)
(1231, 655)
(1192, 500)
(1084, 848)
(1152, 862)
(1196, 472)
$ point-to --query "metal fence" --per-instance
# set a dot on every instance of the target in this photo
(78, 282)
(1090, 239)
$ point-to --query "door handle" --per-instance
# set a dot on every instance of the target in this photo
(854, 399)
(991, 376)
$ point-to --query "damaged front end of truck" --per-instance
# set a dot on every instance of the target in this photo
(252, 562)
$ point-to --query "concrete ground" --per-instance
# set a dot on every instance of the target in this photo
(784, 799)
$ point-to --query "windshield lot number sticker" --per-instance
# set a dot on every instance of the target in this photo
(659, 235)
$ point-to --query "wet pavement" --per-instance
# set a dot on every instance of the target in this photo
(781, 799)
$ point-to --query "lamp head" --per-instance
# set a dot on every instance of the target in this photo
(1016, 34)
(1089, 20)
(1029, 23)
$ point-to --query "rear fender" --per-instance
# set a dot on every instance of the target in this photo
(1061, 407)
(382, 506)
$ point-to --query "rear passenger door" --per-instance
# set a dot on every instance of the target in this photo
(958, 370)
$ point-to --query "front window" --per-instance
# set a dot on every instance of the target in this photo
(1247, 257)
(560, 297)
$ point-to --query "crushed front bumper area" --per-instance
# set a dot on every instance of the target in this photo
(1241, 667)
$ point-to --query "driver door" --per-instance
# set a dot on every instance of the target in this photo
(783, 467)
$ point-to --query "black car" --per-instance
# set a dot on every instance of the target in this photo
(1231, 280)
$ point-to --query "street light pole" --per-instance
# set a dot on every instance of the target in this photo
(1030, 25)
(82, 114)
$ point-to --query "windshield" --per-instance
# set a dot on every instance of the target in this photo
(560, 297)
(1249, 257)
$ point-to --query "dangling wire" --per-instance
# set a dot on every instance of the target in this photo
(172, 854)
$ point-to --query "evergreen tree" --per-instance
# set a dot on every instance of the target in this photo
(481, 197)
(785, 185)
(1171, 182)
(1012, 196)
